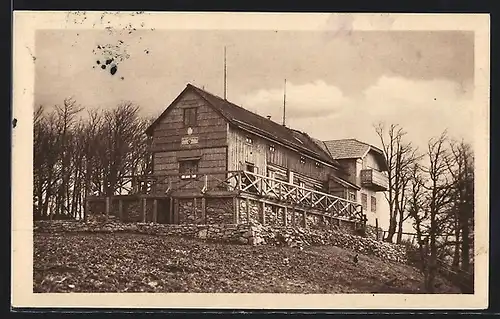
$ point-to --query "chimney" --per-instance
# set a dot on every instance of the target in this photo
(269, 117)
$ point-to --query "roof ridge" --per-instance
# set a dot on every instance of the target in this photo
(224, 100)
(315, 148)
(242, 108)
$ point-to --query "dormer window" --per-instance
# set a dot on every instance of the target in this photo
(302, 160)
(272, 148)
(249, 140)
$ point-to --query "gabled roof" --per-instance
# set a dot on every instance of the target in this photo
(352, 148)
(254, 123)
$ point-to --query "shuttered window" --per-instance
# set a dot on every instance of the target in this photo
(374, 203)
(364, 201)
(190, 117)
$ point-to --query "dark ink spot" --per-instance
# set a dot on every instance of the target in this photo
(14, 123)
(103, 67)
(147, 51)
(108, 61)
(98, 62)
(98, 46)
(434, 99)
(113, 70)
(77, 34)
(122, 78)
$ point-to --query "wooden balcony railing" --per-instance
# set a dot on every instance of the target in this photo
(374, 179)
(244, 182)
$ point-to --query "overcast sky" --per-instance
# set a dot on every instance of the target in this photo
(338, 84)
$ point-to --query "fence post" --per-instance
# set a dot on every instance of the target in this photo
(236, 207)
(120, 209)
(108, 206)
(263, 212)
(155, 210)
(285, 211)
(144, 209)
(204, 210)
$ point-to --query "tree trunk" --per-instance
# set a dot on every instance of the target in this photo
(465, 246)
(392, 230)
(456, 252)
(400, 228)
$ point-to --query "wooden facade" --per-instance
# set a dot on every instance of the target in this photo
(205, 148)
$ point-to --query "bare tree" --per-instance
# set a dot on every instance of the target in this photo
(417, 211)
(400, 156)
(66, 116)
(461, 168)
(46, 150)
(439, 187)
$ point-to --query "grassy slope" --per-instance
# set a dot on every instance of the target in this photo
(131, 262)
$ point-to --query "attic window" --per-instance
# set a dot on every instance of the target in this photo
(302, 160)
(249, 140)
(190, 117)
(317, 164)
(272, 148)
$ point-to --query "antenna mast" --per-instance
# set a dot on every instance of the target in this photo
(225, 75)
(284, 105)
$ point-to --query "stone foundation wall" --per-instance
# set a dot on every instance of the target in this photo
(275, 216)
(252, 215)
(189, 211)
(131, 211)
(250, 233)
(217, 211)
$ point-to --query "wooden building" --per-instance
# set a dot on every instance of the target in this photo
(216, 162)
(364, 165)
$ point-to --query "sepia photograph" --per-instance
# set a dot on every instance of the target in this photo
(174, 159)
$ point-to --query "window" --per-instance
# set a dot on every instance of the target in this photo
(317, 164)
(249, 140)
(302, 160)
(249, 167)
(364, 201)
(351, 196)
(374, 204)
(272, 148)
(190, 117)
(188, 168)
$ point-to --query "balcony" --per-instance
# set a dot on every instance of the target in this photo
(233, 183)
(374, 180)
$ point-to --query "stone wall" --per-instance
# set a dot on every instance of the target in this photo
(217, 211)
(371, 231)
(275, 216)
(189, 211)
(131, 210)
(250, 233)
(252, 214)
